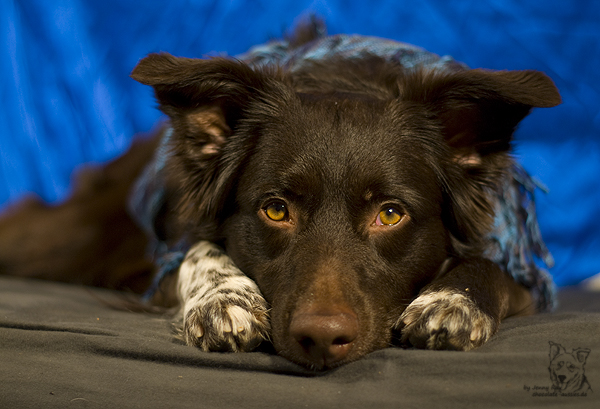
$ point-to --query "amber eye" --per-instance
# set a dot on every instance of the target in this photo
(388, 217)
(277, 211)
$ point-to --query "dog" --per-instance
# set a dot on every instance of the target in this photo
(332, 204)
(567, 370)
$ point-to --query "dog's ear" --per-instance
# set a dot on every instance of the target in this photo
(555, 349)
(477, 112)
(581, 354)
(478, 109)
(205, 100)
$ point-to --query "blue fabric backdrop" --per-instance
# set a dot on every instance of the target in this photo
(67, 99)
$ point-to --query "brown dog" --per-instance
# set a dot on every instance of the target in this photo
(338, 204)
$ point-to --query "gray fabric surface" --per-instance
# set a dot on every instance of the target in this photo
(61, 347)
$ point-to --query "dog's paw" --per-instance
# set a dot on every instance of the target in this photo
(233, 319)
(222, 308)
(445, 320)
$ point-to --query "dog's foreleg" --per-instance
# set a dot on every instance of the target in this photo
(222, 308)
(462, 308)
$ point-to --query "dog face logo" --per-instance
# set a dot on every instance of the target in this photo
(567, 370)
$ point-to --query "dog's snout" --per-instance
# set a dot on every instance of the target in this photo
(324, 338)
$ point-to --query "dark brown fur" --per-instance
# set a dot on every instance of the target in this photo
(90, 238)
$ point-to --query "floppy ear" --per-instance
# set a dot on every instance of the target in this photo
(555, 349)
(477, 112)
(205, 100)
(479, 109)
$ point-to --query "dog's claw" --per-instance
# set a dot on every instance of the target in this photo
(475, 335)
(445, 320)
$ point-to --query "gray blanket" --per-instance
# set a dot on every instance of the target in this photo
(60, 346)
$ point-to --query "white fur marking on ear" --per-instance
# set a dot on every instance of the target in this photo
(211, 149)
(210, 118)
(209, 121)
(467, 161)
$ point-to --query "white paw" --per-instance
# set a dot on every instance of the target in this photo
(222, 309)
(226, 321)
(445, 320)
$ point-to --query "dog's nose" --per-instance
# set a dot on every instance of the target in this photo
(324, 338)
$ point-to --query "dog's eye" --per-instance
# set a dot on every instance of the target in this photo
(388, 217)
(277, 211)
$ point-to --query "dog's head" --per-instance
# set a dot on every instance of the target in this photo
(340, 189)
(567, 370)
